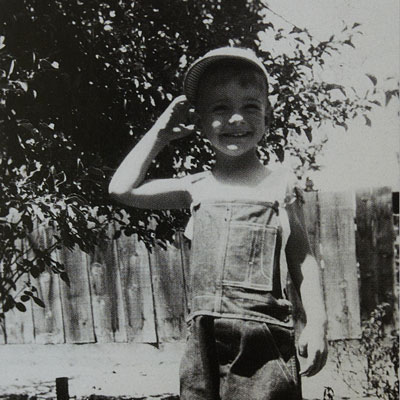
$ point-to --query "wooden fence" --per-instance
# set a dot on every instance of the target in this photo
(123, 293)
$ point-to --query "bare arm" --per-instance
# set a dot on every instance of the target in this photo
(128, 185)
(307, 277)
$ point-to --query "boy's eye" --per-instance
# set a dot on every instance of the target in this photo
(219, 108)
(253, 107)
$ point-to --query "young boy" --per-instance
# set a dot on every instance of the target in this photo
(248, 238)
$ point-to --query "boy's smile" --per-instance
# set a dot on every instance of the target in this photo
(233, 116)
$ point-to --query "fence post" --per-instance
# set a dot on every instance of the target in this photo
(62, 388)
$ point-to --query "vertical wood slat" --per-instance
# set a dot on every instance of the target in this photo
(374, 247)
(135, 267)
(184, 247)
(169, 293)
(106, 293)
(19, 325)
(2, 321)
(384, 234)
(340, 266)
(136, 287)
(48, 321)
(365, 251)
(2, 331)
(311, 216)
(76, 300)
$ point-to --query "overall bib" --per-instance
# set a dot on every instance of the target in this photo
(241, 340)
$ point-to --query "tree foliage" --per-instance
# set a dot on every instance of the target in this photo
(80, 83)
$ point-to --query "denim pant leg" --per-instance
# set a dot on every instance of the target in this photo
(199, 371)
(234, 359)
(257, 361)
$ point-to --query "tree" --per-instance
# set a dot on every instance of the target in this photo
(81, 81)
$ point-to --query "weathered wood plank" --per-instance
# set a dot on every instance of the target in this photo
(76, 301)
(366, 255)
(374, 247)
(311, 216)
(340, 266)
(105, 285)
(184, 247)
(136, 288)
(19, 325)
(169, 293)
(2, 321)
(48, 321)
(384, 237)
(2, 331)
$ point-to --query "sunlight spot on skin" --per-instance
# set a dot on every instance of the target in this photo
(232, 147)
(235, 118)
(216, 124)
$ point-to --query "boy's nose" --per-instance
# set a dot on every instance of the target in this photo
(235, 118)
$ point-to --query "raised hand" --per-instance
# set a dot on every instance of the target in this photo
(176, 121)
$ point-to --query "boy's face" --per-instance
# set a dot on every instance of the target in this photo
(232, 113)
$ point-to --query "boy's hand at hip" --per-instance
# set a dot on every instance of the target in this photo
(314, 347)
(176, 121)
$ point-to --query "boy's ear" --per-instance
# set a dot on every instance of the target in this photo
(268, 115)
(268, 121)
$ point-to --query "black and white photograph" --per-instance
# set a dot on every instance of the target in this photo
(199, 199)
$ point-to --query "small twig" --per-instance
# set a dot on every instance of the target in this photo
(265, 4)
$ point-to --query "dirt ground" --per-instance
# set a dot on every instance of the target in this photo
(133, 370)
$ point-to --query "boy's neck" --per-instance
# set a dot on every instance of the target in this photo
(246, 167)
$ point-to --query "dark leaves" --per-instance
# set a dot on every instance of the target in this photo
(372, 79)
(38, 301)
(64, 276)
(308, 134)
(21, 307)
(349, 43)
(390, 94)
(367, 120)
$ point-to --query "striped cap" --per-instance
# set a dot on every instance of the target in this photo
(196, 70)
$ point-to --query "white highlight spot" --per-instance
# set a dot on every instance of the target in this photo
(232, 147)
(216, 124)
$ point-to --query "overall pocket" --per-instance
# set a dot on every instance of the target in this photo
(249, 257)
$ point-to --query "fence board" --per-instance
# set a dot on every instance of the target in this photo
(105, 285)
(2, 331)
(169, 294)
(2, 320)
(311, 216)
(184, 246)
(136, 288)
(19, 325)
(48, 321)
(340, 265)
(374, 247)
(121, 292)
(76, 302)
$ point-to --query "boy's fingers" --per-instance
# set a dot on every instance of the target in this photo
(179, 100)
(314, 365)
(182, 97)
(182, 130)
(312, 358)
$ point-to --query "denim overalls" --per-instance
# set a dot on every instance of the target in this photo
(241, 341)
